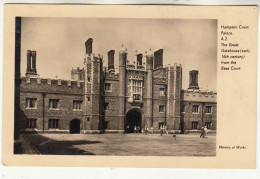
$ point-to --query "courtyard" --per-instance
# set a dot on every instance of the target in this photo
(119, 144)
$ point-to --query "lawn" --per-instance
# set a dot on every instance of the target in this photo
(122, 145)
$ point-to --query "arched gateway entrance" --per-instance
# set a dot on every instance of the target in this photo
(75, 126)
(133, 118)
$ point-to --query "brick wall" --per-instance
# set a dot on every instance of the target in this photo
(202, 100)
(99, 118)
(64, 91)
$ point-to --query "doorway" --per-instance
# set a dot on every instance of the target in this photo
(75, 126)
(133, 118)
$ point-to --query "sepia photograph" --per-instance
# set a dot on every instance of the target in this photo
(129, 86)
(115, 86)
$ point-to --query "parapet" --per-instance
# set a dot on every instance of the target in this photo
(111, 76)
(199, 95)
(92, 56)
(174, 67)
(51, 85)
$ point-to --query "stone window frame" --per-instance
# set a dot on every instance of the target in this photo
(161, 125)
(28, 102)
(194, 110)
(31, 123)
(51, 104)
(208, 125)
(137, 97)
(193, 124)
(210, 107)
(110, 87)
(53, 123)
(162, 91)
(161, 108)
(77, 105)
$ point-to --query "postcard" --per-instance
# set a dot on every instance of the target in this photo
(130, 86)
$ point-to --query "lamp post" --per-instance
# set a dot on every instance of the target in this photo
(202, 114)
(43, 111)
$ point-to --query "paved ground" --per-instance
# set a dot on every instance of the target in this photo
(120, 144)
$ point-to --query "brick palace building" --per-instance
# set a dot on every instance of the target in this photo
(97, 99)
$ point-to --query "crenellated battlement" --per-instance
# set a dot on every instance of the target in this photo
(52, 82)
(159, 80)
(174, 67)
(199, 95)
(92, 56)
(111, 75)
(133, 67)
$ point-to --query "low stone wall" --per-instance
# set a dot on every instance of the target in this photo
(199, 131)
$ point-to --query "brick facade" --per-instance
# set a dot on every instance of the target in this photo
(97, 99)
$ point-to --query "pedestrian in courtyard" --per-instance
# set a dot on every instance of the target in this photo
(126, 129)
(161, 130)
(205, 132)
(202, 132)
(145, 130)
(138, 129)
(166, 131)
(151, 130)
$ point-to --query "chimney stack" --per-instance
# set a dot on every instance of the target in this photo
(194, 79)
(28, 70)
(88, 45)
(139, 59)
(110, 55)
(31, 63)
(158, 59)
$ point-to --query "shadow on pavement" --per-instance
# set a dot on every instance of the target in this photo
(48, 146)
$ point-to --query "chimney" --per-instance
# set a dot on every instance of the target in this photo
(110, 55)
(194, 79)
(88, 45)
(139, 59)
(29, 68)
(158, 58)
(33, 62)
(149, 60)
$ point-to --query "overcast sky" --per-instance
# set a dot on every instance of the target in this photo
(60, 43)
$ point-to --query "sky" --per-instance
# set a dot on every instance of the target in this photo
(60, 43)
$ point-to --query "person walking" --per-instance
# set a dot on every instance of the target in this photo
(151, 130)
(202, 132)
(145, 129)
(205, 132)
(126, 129)
(138, 129)
(161, 130)
(135, 129)
(165, 128)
